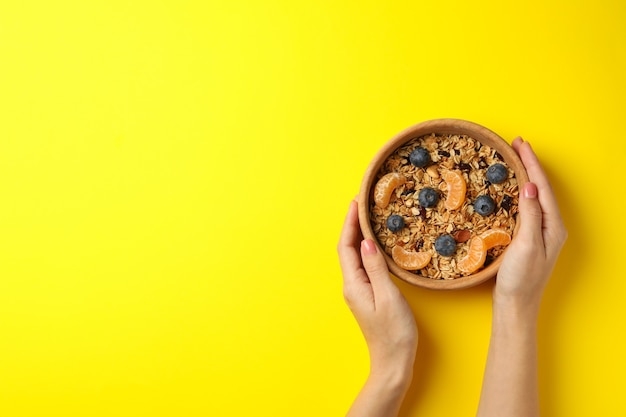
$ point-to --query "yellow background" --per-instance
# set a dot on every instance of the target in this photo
(174, 176)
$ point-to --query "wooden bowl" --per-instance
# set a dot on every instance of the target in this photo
(443, 127)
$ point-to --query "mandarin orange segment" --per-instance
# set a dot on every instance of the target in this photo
(475, 257)
(495, 237)
(456, 189)
(385, 186)
(411, 261)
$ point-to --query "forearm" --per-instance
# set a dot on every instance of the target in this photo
(510, 386)
(383, 393)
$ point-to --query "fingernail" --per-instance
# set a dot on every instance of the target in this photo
(530, 190)
(368, 247)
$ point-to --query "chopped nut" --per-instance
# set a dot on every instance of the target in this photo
(432, 171)
(449, 163)
(462, 236)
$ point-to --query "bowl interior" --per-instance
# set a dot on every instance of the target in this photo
(444, 127)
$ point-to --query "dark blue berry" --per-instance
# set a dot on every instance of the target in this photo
(395, 223)
(420, 157)
(484, 205)
(506, 202)
(428, 197)
(497, 173)
(445, 245)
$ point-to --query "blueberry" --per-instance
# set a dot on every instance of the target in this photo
(484, 205)
(419, 157)
(395, 223)
(445, 245)
(428, 197)
(497, 173)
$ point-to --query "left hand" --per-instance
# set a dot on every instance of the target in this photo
(382, 312)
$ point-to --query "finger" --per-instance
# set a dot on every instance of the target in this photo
(349, 256)
(516, 143)
(537, 175)
(552, 221)
(350, 233)
(531, 163)
(377, 270)
(531, 216)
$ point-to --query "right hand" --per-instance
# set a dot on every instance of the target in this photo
(530, 258)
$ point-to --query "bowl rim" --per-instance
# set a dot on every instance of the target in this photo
(437, 126)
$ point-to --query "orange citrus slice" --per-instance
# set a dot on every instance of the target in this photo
(385, 186)
(456, 189)
(411, 261)
(495, 237)
(475, 257)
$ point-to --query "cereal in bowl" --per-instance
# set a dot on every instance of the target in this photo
(444, 206)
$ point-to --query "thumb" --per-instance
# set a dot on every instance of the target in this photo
(375, 266)
(530, 213)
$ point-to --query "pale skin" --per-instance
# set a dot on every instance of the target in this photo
(387, 323)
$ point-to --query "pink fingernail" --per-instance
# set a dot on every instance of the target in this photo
(530, 190)
(368, 247)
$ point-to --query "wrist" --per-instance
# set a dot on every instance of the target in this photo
(390, 384)
(515, 313)
(526, 305)
(393, 376)
(384, 390)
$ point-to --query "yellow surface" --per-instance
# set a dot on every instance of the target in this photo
(174, 176)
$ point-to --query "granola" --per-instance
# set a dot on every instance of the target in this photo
(462, 154)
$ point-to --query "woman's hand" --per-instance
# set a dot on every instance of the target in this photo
(530, 258)
(384, 317)
(510, 382)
